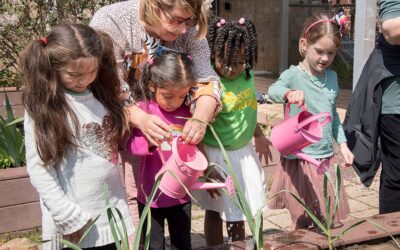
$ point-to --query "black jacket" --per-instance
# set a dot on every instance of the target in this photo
(361, 124)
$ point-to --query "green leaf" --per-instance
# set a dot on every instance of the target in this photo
(146, 214)
(348, 229)
(308, 211)
(384, 229)
(89, 228)
(70, 244)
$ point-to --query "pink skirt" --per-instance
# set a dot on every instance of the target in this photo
(302, 179)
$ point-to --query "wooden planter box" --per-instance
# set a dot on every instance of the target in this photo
(14, 95)
(19, 201)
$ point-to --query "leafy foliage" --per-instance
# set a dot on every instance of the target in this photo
(12, 147)
(24, 20)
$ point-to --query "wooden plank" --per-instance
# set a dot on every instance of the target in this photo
(308, 239)
(20, 217)
(17, 191)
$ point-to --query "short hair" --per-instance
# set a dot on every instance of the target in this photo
(148, 12)
(313, 31)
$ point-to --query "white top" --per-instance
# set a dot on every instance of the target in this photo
(72, 192)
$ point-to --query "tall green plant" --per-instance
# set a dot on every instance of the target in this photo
(12, 148)
(254, 222)
(326, 224)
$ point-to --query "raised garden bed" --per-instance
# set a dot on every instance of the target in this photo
(19, 201)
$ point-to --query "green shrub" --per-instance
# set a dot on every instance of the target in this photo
(24, 20)
(12, 147)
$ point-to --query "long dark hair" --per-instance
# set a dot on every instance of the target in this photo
(43, 94)
(226, 38)
(169, 69)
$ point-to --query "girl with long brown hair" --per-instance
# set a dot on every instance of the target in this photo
(73, 124)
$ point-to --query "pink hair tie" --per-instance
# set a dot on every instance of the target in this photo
(220, 23)
(151, 61)
(189, 57)
(43, 40)
(242, 20)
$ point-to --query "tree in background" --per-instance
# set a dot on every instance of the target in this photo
(23, 20)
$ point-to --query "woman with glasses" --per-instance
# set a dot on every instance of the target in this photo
(137, 28)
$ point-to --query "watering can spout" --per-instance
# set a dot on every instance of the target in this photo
(322, 166)
(228, 184)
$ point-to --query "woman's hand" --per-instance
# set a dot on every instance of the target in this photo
(195, 128)
(261, 144)
(155, 129)
(347, 154)
(194, 131)
(295, 96)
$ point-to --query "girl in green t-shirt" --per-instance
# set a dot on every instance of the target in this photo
(233, 48)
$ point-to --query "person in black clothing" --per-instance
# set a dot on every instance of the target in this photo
(373, 115)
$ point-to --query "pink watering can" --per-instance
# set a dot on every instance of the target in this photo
(298, 132)
(188, 163)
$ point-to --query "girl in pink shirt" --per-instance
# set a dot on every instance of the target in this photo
(163, 87)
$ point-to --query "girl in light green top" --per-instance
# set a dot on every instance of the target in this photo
(313, 85)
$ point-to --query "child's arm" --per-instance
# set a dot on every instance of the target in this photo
(340, 138)
(205, 97)
(262, 144)
(281, 91)
(68, 216)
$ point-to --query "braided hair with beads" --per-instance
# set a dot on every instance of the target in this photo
(226, 38)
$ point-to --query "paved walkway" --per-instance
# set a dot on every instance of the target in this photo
(363, 201)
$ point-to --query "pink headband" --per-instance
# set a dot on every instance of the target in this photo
(315, 23)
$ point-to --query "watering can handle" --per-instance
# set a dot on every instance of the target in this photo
(174, 147)
(287, 110)
(161, 154)
(327, 119)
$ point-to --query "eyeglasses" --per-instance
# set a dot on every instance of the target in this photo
(177, 21)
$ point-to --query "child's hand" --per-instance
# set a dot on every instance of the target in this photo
(213, 174)
(347, 154)
(295, 96)
(262, 144)
(76, 236)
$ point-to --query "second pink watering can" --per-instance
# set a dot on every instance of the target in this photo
(298, 132)
(188, 164)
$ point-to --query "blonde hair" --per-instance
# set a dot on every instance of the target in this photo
(148, 10)
(317, 26)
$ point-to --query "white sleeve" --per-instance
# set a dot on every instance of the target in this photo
(68, 216)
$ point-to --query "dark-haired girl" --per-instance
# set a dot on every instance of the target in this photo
(234, 53)
(161, 91)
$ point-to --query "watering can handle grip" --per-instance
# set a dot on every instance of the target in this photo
(327, 119)
(174, 147)
(174, 150)
(287, 110)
